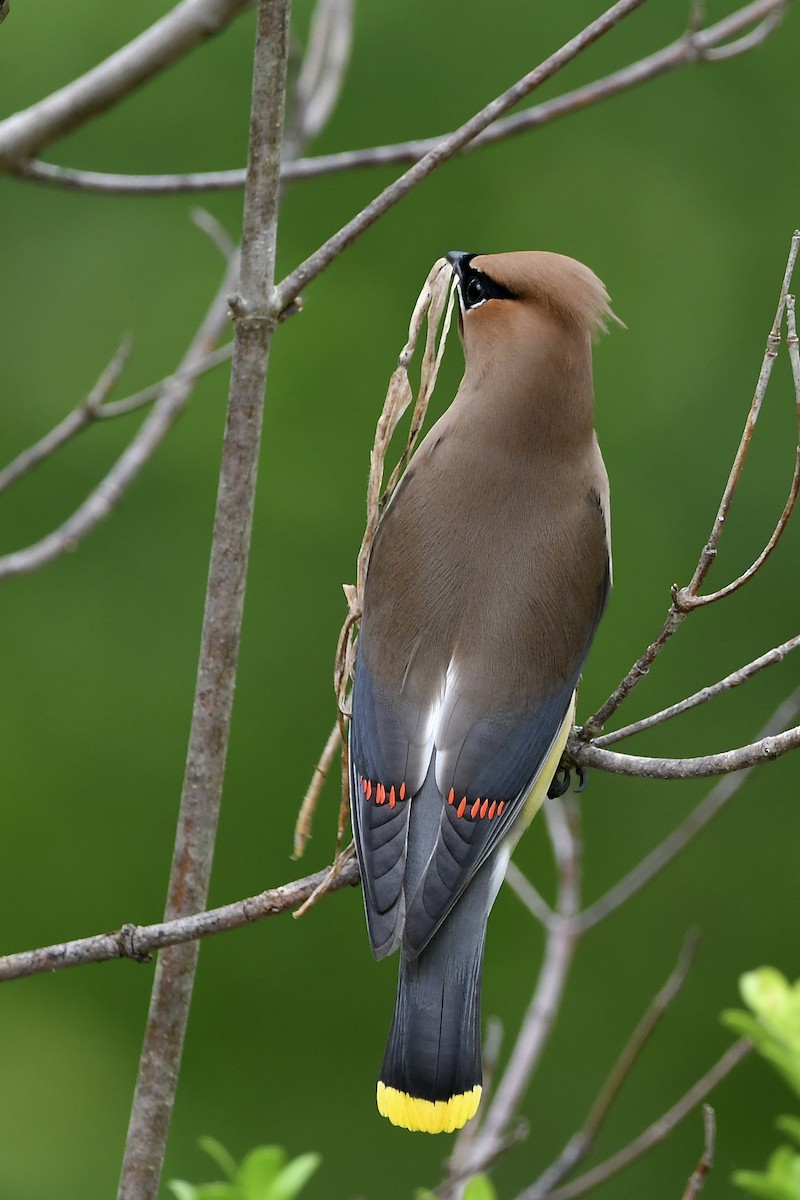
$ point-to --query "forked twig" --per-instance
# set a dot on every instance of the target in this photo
(735, 679)
(685, 599)
(581, 1143)
(658, 1131)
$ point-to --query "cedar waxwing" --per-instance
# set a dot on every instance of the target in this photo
(488, 576)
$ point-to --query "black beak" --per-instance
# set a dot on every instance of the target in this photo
(459, 261)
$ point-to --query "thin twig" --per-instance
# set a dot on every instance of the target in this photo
(530, 896)
(735, 679)
(101, 502)
(129, 404)
(291, 286)
(302, 829)
(79, 419)
(659, 1130)
(764, 750)
(479, 1142)
(580, 1145)
(686, 832)
(698, 1176)
(189, 23)
(159, 1064)
(96, 406)
(700, 46)
(321, 75)
(685, 599)
(137, 942)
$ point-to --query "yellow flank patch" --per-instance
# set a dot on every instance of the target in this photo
(427, 1116)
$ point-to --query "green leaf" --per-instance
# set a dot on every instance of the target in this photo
(480, 1187)
(182, 1190)
(424, 1194)
(761, 1186)
(781, 1180)
(220, 1155)
(294, 1177)
(217, 1191)
(790, 1125)
(259, 1170)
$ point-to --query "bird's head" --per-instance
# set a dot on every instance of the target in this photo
(508, 296)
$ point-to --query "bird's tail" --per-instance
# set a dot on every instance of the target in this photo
(431, 1074)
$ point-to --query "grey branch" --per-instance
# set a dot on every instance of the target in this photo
(659, 1130)
(86, 413)
(764, 750)
(698, 1176)
(684, 600)
(159, 1064)
(686, 832)
(479, 1144)
(174, 395)
(139, 941)
(580, 1145)
(190, 22)
(289, 289)
(735, 679)
(696, 46)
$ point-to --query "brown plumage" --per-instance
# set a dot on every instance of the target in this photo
(486, 582)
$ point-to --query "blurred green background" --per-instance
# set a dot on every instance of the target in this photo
(682, 195)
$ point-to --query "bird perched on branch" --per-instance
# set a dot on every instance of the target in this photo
(487, 578)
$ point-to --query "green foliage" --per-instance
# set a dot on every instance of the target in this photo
(480, 1187)
(773, 1026)
(264, 1174)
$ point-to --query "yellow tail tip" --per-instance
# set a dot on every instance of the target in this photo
(427, 1116)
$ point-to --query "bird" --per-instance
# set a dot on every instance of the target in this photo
(488, 575)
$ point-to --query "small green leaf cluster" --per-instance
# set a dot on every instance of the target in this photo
(480, 1187)
(773, 1026)
(264, 1174)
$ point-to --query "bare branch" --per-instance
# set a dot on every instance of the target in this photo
(138, 941)
(480, 1141)
(189, 373)
(159, 1064)
(322, 73)
(697, 46)
(735, 679)
(174, 395)
(698, 1176)
(76, 421)
(764, 750)
(302, 828)
(686, 832)
(290, 287)
(659, 1130)
(582, 1142)
(530, 896)
(4, 10)
(190, 22)
(685, 599)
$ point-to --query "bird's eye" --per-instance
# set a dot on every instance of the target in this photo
(475, 290)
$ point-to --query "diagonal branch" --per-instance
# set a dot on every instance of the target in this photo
(696, 46)
(686, 832)
(735, 679)
(81, 417)
(659, 1130)
(175, 393)
(190, 22)
(685, 599)
(289, 289)
(580, 1145)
